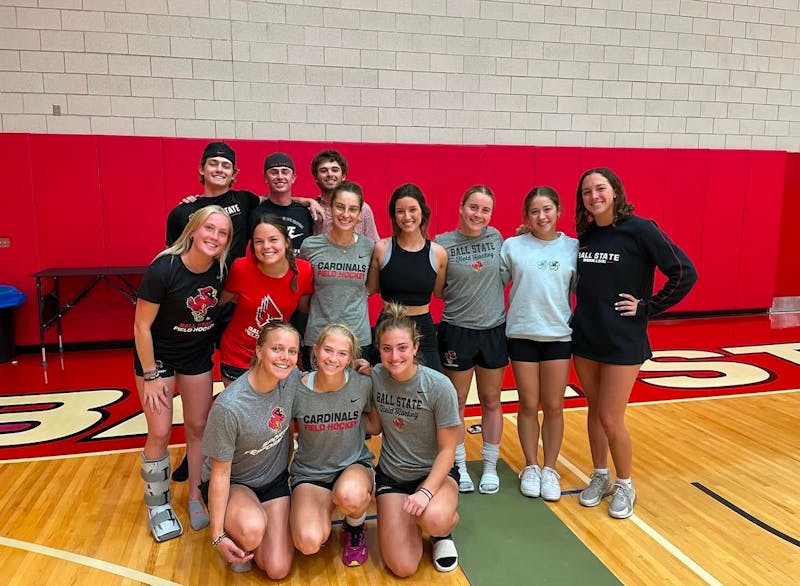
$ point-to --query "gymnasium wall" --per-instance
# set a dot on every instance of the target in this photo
(622, 73)
(84, 200)
(105, 106)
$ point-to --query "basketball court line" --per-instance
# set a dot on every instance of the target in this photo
(83, 560)
(507, 415)
(744, 514)
(673, 550)
(667, 545)
(655, 535)
(687, 399)
(149, 579)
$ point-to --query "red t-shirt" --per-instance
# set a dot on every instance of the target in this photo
(261, 299)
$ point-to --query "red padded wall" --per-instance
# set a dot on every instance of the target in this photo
(684, 209)
(460, 167)
(72, 232)
(96, 200)
(368, 165)
(560, 168)
(17, 222)
(510, 175)
(759, 227)
(787, 283)
(718, 264)
(128, 203)
(69, 213)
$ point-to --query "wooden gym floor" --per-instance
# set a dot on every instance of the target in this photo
(714, 418)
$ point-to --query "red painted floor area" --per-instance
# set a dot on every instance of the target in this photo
(66, 410)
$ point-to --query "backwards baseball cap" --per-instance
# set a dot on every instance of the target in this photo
(219, 149)
(278, 160)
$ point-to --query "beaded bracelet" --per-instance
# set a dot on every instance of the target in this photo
(151, 377)
(217, 539)
(149, 372)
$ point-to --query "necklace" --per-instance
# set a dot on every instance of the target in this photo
(344, 248)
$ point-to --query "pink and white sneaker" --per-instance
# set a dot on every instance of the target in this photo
(355, 551)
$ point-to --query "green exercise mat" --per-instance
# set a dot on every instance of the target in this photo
(506, 538)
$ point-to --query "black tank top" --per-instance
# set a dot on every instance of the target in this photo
(408, 277)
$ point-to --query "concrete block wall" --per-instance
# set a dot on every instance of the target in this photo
(624, 73)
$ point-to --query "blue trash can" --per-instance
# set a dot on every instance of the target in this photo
(10, 299)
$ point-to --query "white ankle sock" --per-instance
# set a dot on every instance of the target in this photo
(626, 481)
(461, 458)
(603, 471)
(355, 521)
(490, 453)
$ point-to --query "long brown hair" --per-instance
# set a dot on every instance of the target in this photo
(622, 208)
(281, 227)
(414, 192)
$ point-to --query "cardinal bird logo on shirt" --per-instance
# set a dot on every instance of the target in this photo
(398, 423)
(477, 266)
(276, 418)
(199, 305)
(267, 312)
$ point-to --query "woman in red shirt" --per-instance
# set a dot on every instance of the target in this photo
(267, 285)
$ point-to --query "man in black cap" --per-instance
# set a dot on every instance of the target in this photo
(217, 174)
(280, 176)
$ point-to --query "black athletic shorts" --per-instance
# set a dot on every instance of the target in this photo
(385, 484)
(463, 348)
(521, 350)
(231, 373)
(270, 491)
(168, 367)
(325, 484)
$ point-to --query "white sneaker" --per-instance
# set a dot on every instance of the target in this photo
(530, 481)
(550, 487)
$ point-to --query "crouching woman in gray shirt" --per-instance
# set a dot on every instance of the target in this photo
(247, 440)
(416, 481)
(332, 467)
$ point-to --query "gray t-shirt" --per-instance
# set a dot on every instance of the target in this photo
(340, 294)
(543, 272)
(251, 430)
(473, 290)
(330, 429)
(411, 413)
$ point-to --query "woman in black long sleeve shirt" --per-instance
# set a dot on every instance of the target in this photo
(617, 257)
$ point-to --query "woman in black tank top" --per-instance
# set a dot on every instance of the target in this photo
(408, 268)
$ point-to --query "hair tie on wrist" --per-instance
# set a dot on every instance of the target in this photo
(426, 492)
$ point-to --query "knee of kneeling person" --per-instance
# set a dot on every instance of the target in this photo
(250, 533)
(402, 568)
(351, 499)
(308, 540)
(439, 521)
